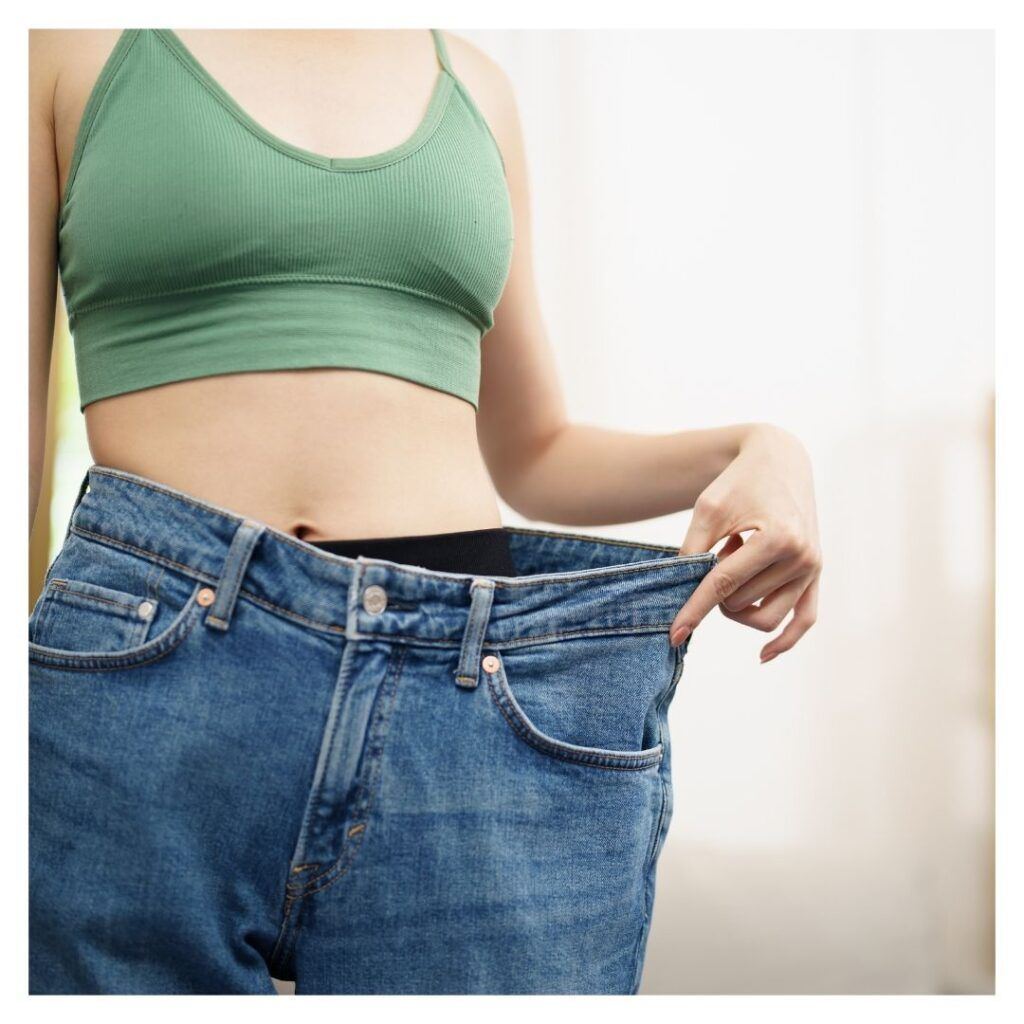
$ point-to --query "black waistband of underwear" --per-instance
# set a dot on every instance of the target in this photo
(483, 552)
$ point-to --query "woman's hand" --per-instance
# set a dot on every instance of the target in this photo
(767, 489)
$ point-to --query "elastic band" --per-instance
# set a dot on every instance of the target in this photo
(484, 552)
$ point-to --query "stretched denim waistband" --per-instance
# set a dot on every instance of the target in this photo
(570, 584)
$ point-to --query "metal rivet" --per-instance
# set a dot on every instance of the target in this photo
(206, 596)
(490, 663)
(145, 610)
(375, 599)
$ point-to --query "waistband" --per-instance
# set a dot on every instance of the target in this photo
(480, 552)
(570, 584)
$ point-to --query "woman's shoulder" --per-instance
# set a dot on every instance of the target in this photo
(489, 85)
(64, 65)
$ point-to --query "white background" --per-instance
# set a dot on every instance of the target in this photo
(796, 227)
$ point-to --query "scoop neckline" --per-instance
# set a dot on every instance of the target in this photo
(435, 108)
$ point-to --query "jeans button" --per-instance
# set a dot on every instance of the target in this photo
(375, 599)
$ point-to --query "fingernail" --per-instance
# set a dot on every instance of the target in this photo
(768, 657)
(678, 635)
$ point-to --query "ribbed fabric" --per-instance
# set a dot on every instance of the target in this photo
(193, 242)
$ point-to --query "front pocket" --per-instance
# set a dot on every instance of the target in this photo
(105, 608)
(131, 656)
(80, 616)
(590, 701)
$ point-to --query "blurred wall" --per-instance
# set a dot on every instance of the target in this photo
(793, 227)
(797, 227)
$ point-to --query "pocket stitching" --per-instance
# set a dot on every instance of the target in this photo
(159, 646)
(136, 629)
(41, 613)
(664, 701)
(76, 589)
(591, 757)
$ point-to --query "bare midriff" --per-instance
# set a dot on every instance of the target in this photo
(321, 454)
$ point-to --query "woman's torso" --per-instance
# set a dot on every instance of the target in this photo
(317, 452)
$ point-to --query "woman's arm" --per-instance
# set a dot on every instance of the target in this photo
(583, 475)
(542, 465)
(43, 211)
(748, 484)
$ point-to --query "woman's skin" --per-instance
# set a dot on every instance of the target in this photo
(329, 453)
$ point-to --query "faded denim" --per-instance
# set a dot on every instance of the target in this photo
(251, 758)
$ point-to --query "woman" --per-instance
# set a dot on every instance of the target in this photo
(286, 622)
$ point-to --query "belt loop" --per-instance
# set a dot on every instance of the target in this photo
(467, 675)
(242, 545)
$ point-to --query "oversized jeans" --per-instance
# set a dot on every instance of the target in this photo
(251, 758)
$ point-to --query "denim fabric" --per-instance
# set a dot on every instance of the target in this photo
(253, 758)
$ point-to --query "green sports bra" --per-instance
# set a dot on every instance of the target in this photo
(193, 241)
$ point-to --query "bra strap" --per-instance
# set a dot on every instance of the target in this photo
(442, 50)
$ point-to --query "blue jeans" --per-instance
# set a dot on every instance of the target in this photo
(253, 758)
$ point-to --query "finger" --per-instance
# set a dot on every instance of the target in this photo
(804, 616)
(772, 611)
(724, 579)
(702, 535)
(732, 544)
(765, 583)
